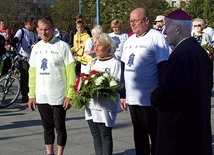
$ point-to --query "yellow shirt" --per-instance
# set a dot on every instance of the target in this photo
(79, 43)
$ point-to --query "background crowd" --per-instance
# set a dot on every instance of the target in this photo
(167, 71)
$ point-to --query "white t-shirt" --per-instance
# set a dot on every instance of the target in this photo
(210, 32)
(88, 47)
(50, 60)
(119, 40)
(141, 56)
(29, 38)
(103, 110)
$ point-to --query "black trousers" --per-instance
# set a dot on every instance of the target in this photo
(145, 121)
(102, 137)
(53, 117)
(24, 77)
(6, 66)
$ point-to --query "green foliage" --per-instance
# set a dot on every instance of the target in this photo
(117, 9)
(13, 13)
(156, 7)
(63, 12)
(201, 8)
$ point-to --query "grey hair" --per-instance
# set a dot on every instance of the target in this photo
(46, 20)
(104, 39)
(186, 24)
(97, 30)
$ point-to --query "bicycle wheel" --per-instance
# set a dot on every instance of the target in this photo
(9, 90)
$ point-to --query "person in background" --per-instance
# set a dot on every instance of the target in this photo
(23, 41)
(160, 26)
(6, 32)
(2, 52)
(52, 77)
(102, 112)
(73, 31)
(209, 31)
(198, 27)
(119, 36)
(183, 97)
(6, 61)
(2, 48)
(159, 23)
(144, 56)
(79, 42)
(89, 51)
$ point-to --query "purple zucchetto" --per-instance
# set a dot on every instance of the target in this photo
(179, 14)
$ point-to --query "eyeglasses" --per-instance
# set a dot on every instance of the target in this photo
(199, 25)
(79, 27)
(136, 20)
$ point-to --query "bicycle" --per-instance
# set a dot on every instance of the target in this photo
(10, 83)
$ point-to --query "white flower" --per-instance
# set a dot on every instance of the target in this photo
(99, 80)
(86, 82)
(102, 78)
(106, 75)
(93, 75)
(113, 83)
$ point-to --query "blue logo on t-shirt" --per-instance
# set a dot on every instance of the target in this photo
(131, 60)
(44, 64)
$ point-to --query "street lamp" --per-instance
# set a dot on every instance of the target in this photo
(98, 11)
(80, 7)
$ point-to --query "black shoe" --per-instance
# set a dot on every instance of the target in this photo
(25, 98)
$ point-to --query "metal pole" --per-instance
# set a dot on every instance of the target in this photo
(98, 11)
(80, 7)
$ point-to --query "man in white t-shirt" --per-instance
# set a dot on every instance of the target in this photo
(51, 80)
(159, 23)
(24, 39)
(145, 54)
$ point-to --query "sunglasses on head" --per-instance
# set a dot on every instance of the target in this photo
(199, 25)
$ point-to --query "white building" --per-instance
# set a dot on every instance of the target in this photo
(176, 3)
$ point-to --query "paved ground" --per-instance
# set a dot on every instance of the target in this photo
(21, 133)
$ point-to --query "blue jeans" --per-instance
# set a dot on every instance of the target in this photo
(102, 137)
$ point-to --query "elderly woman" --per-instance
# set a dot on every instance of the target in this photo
(101, 112)
(119, 37)
(198, 27)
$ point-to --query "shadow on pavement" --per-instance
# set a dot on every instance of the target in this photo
(127, 152)
(20, 124)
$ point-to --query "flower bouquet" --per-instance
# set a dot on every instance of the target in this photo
(94, 84)
(210, 49)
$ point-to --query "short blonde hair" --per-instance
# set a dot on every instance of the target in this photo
(116, 23)
(200, 21)
(105, 40)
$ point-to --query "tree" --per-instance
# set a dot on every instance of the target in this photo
(63, 13)
(13, 12)
(112, 9)
(201, 8)
(155, 7)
